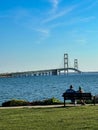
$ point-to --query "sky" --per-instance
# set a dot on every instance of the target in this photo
(35, 34)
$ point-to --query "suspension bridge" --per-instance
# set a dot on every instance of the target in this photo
(65, 70)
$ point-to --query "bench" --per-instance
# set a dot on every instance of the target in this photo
(77, 96)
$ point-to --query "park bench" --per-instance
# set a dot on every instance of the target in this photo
(78, 96)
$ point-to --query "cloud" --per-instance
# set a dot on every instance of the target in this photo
(87, 19)
(44, 31)
(70, 9)
(55, 4)
(79, 20)
(93, 4)
(39, 23)
(73, 21)
(60, 14)
(43, 34)
(81, 41)
(88, 5)
(27, 19)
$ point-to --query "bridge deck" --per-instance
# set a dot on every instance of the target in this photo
(52, 71)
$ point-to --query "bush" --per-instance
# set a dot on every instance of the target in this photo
(50, 101)
(36, 103)
(15, 102)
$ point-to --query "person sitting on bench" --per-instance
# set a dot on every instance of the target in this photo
(71, 90)
(81, 91)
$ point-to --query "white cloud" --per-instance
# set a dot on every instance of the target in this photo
(80, 20)
(81, 41)
(87, 19)
(60, 14)
(55, 4)
(43, 34)
(44, 31)
(73, 21)
(26, 18)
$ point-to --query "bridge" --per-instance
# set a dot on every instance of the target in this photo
(57, 71)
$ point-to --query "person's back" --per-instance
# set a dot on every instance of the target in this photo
(70, 90)
(80, 90)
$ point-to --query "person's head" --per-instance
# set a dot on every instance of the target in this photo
(71, 86)
(80, 88)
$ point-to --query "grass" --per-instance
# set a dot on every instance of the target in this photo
(68, 118)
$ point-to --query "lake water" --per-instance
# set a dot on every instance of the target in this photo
(43, 87)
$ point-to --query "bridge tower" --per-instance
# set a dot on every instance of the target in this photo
(76, 63)
(66, 63)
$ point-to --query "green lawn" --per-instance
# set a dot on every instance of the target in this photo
(68, 118)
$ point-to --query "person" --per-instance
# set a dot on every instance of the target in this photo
(71, 90)
(81, 91)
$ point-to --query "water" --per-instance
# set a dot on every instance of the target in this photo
(43, 87)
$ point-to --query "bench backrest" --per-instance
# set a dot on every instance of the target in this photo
(84, 96)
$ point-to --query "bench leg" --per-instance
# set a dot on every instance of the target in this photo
(94, 100)
(64, 102)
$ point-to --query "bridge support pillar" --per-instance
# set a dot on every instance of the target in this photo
(66, 63)
(76, 63)
(54, 72)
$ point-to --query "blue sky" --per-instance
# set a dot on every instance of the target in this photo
(35, 34)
